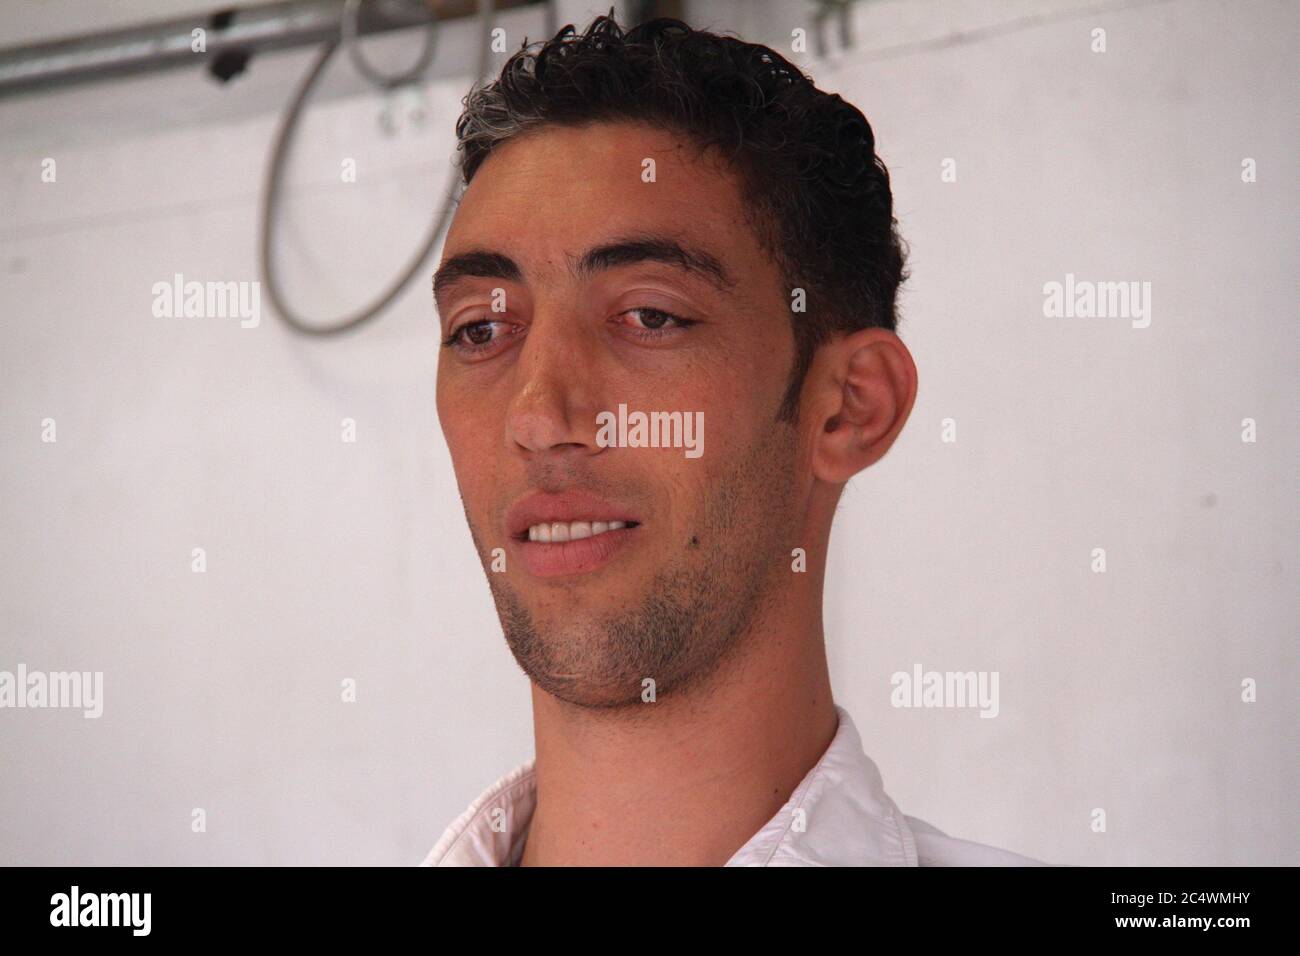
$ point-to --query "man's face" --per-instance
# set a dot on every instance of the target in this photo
(564, 296)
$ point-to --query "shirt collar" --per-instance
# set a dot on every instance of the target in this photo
(839, 815)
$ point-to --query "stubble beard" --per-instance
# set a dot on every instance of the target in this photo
(693, 615)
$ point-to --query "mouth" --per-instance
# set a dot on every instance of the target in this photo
(570, 532)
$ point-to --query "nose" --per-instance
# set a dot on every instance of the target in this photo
(552, 409)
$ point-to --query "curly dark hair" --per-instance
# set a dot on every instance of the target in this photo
(821, 203)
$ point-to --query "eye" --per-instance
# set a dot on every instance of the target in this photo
(475, 336)
(647, 323)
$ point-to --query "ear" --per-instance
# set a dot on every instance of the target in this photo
(861, 389)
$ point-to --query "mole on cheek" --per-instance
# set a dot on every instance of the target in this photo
(695, 542)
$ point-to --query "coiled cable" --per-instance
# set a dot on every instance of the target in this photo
(275, 172)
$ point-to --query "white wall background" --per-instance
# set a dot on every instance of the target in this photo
(329, 560)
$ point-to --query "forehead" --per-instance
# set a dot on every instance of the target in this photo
(555, 191)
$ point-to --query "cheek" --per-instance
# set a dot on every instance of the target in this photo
(468, 431)
(686, 487)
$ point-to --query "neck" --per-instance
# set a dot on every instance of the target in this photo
(691, 781)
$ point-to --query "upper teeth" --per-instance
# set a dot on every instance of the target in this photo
(571, 530)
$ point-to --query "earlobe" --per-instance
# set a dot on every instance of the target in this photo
(865, 387)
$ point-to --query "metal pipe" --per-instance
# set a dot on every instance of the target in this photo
(231, 35)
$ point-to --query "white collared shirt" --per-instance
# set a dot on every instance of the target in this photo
(847, 819)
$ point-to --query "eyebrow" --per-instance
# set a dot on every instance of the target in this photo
(476, 264)
(484, 264)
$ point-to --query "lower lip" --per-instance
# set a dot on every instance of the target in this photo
(572, 557)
